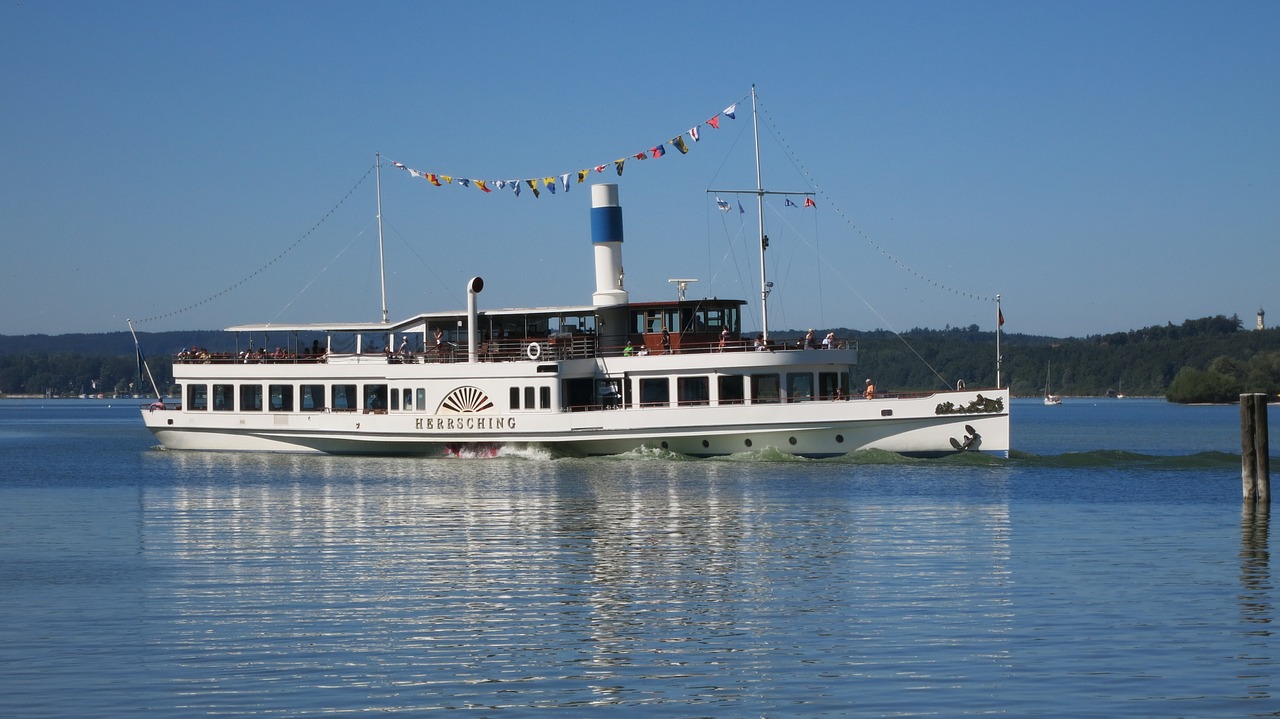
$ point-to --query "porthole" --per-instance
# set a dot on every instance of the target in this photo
(705, 444)
(664, 445)
(747, 442)
(792, 440)
(171, 422)
(839, 439)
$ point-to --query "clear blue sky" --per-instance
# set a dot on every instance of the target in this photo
(1101, 165)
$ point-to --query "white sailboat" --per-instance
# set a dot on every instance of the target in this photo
(1050, 398)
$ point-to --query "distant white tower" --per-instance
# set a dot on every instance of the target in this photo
(1261, 325)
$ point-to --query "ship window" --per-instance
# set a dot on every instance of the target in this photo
(764, 388)
(731, 389)
(693, 390)
(224, 397)
(375, 397)
(799, 386)
(344, 398)
(529, 398)
(250, 398)
(395, 399)
(829, 383)
(312, 396)
(544, 397)
(422, 399)
(198, 397)
(515, 398)
(655, 392)
(281, 397)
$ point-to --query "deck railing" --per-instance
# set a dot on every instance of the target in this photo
(532, 349)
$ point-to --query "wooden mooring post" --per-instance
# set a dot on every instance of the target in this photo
(1255, 449)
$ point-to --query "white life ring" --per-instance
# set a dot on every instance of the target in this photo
(534, 350)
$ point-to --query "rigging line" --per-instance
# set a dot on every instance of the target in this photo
(852, 288)
(323, 270)
(729, 253)
(412, 250)
(836, 208)
(273, 260)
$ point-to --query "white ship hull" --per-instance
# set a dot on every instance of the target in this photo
(808, 426)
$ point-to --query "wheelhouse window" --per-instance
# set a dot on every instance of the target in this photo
(799, 386)
(765, 388)
(693, 390)
(250, 398)
(833, 384)
(375, 397)
(344, 398)
(732, 389)
(655, 392)
(224, 397)
(281, 397)
(312, 397)
(198, 397)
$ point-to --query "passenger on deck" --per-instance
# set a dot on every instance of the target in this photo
(870, 393)
(666, 341)
(808, 340)
(724, 338)
(628, 350)
(829, 342)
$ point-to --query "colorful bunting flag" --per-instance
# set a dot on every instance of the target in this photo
(808, 202)
(789, 203)
(549, 183)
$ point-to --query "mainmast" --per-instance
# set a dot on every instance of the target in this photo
(382, 266)
(764, 284)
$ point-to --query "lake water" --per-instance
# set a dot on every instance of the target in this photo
(1106, 570)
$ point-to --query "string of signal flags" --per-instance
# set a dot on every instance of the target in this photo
(565, 180)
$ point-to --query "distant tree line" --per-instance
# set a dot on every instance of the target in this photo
(1212, 359)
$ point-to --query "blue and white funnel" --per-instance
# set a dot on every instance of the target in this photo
(606, 238)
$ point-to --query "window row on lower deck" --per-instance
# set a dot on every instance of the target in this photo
(761, 388)
(576, 394)
(370, 397)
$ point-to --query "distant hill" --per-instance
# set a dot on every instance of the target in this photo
(1139, 362)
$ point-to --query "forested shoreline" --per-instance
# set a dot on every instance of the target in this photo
(1212, 359)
